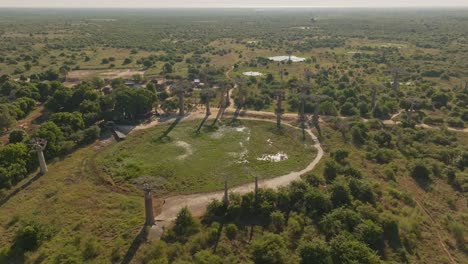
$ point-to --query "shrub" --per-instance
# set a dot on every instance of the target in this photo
(340, 155)
(277, 221)
(314, 252)
(433, 120)
(231, 231)
(420, 171)
(17, 136)
(269, 249)
(340, 194)
(330, 170)
(455, 122)
(314, 180)
(346, 250)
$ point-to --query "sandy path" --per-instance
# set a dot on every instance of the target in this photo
(197, 203)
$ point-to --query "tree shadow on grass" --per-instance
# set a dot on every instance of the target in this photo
(170, 128)
(18, 189)
(201, 124)
(424, 183)
(236, 114)
(139, 239)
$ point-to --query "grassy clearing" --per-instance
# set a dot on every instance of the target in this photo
(184, 162)
(75, 207)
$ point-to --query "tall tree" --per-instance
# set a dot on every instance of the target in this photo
(205, 97)
(279, 92)
(396, 73)
(180, 88)
(223, 87)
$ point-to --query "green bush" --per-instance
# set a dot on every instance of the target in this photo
(17, 136)
(314, 252)
(455, 122)
(231, 231)
(269, 249)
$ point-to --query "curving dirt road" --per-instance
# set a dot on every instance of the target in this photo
(197, 203)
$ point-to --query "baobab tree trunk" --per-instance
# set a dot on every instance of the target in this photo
(181, 103)
(256, 189)
(374, 99)
(302, 114)
(149, 214)
(221, 108)
(279, 110)
(226, 102)
(396, 80)
(42, 162)
(316, 119)
(226, 194)
(208, 110)
(410, 114)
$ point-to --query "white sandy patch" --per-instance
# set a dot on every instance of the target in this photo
(280, 156)
(286, 58)
(251, 73)
(186, 146)
(270, 142)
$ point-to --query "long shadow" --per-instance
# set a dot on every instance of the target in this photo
(202, 123)
(236, 114)
(17, 190)
(132, 250)
(170, 128)
(220, 232)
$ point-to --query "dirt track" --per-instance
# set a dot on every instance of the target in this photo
(197, 203)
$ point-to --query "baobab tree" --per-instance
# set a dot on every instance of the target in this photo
(376, 87)
(224, 101)
(412, 103)
(38, 145)
(289, 52)
(180, 88)
(302, 116)
(279, 92)
(343, 127)
(316, 117)
(205, 97)
(149, 213)
(240, 98)
(396, 73)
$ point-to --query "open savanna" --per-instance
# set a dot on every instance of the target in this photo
(77, 211)
(176, 159)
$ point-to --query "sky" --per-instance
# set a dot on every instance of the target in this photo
(232, 3)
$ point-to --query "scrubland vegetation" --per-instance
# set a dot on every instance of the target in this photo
(391, 88)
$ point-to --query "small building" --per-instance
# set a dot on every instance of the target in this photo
(130, 83)
(196, 83)
(119, 135)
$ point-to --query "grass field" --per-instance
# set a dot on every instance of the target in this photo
(73, 207)
(185, 162)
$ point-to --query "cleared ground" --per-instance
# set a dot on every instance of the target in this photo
(185, 162)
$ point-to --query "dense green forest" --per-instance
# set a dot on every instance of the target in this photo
(385, 92)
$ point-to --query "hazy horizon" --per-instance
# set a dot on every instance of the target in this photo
(231, 4)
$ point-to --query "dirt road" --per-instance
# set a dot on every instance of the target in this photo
(197, 203)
